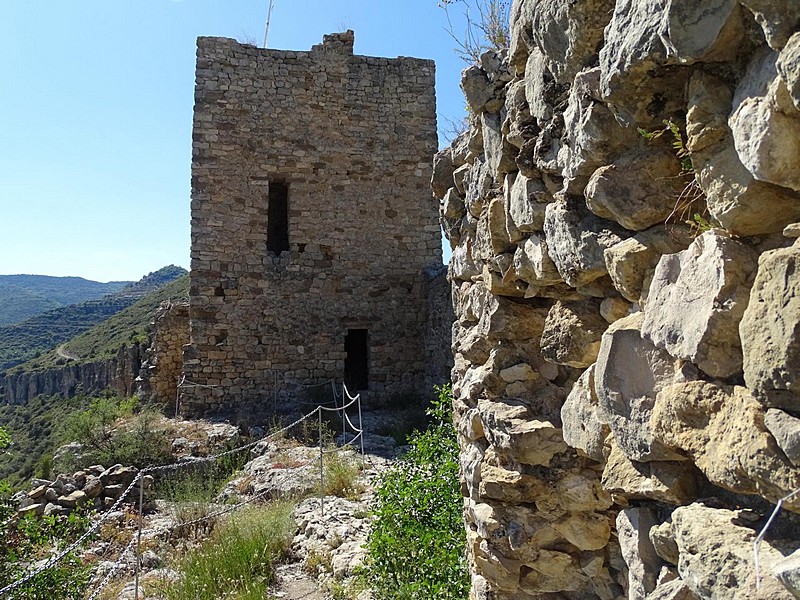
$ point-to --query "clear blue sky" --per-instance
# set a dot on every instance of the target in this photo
(96, 115)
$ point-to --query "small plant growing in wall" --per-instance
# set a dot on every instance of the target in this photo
(487, 27)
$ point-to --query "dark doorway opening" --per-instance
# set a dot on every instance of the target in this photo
(278, 217)
(356, 363)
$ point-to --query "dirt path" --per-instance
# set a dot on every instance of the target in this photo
(63, 353)
(294, 584)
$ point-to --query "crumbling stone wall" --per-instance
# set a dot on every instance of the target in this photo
(163, 367)
(626, 383)
(351, 138)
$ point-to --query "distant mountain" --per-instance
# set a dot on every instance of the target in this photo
(33, 337)
(24, 296)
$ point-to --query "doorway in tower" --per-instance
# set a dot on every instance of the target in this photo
(356, 363)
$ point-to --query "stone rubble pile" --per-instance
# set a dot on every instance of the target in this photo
(627, 335)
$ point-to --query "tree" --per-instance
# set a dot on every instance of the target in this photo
(487, 27)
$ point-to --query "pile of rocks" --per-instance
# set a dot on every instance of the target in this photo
(94, 487)
(616, 366)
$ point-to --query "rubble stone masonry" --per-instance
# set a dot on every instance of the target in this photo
(312, 219)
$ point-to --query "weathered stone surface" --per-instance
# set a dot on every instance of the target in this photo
(788, 66)
(442, 176)
(633, 526)
(639, 190)
(716, 556)
(582, 426)
(778, 19)
(500, 154)
(527, 201)
(786, 430)
(533, 263)
(631, 262)
(643, 36)
(675, 589)
(663, 540)
(711, 424)
(576, 240)
(73, 499)
(697, 298)
(630, 372)
(766, 138)
(787, 571)
(453, 204)
(770, 327)
(572, 333)
(740, 203)
(478, 90)
(665, 481)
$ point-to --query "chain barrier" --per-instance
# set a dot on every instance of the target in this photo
(195, 461)
(763, 532)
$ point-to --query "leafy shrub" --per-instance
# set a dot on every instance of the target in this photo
(417, 544)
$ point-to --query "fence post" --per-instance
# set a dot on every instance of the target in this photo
(139, 540)
(321, 471)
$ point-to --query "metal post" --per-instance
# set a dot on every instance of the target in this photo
(361, 427)
(269, 19)
(321, 472)
(139, 538)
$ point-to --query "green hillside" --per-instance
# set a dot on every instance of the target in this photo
(104, 339)
(46, 332)
(24, 296)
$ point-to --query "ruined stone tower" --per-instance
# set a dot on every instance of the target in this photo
(314, 233)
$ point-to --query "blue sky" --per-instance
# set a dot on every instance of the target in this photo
(96, 115)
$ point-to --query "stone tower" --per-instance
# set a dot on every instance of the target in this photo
(314, 232)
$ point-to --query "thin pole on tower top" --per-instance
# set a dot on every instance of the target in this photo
(269, 18)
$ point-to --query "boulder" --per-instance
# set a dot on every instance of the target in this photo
(572, 333)
(786, 430)
(630, 372)
(663, 540)
(527, 200)
(787, 571)
(453, 205)
(716, 556)
(735, 199)
(711, 424)
(665, 481)
(478, 90)
(697, 298)
(767, 138)
(633, 526)
(582, 426)
(770, 327)
(500, 154)
(576, 240)
(533, 263)
(640, 189)
(72, 499)
(788, 66)
(778, 19)
(442, 176)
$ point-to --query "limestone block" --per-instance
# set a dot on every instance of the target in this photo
(459, 176)
(643, 36)
(462, 265)
(663, 540)
(631, 262)
(716, 556)
(766, 138)
(521, 41)
(614, 308)
(500, 154)
(478, 90)
(711, 424)
(739, 202)
(92, 487)
(568, 33)
(72, 499)
(453, 204)
(630, 372)
(639, 190)
(770, 327)
(477, 183)
(675, 589)
(572, 333)
(778, 19)
(498, 232)
(787, 571)
(515, 433)
(527, 201)
(576, 240)
(582, 426)
(533, 263)
(665, 481)
(593, 136)
(696, 300)
(786, 430)
(553, 572)
(442, 176)
(537, 80)
(788, 66)
(633, 527)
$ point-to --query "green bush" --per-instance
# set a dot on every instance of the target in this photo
(417, 544)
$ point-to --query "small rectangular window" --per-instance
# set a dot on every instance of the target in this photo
(356, 363)
(278, 217)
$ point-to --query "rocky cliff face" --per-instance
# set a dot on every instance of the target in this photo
(627, 362)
